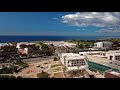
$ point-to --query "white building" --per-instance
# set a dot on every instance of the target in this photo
(103, 45)
(73, 61)
(114, 56)
(3, 44)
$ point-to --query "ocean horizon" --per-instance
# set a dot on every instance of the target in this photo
(4, 39)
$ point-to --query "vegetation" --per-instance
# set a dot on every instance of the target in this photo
(55, 59)
(19, 77)
(55, 65)
(14, 43)
(58, 75)
(7, 76)
(46, 50)
(9, 70)
(21, 63)
(74, 73)
(43, 75)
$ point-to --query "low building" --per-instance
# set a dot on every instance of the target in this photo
(73, 61)
(111, 74)
(103, 45)
(114, 56)
(3, 44)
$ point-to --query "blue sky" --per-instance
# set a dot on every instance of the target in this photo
(59, 23)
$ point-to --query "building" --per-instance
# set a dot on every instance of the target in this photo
(111, 74)
(114, 56)
(73, 61)
(3, 44)
(103, 45)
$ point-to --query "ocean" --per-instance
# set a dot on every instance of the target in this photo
(4, 39)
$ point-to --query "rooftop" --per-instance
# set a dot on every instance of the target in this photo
(75, 57)
(115, 73)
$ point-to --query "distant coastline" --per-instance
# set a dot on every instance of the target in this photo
(6, 38)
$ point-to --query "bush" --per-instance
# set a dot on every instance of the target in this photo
(7, 76)
(55, 59)
(6, 71)
(43, 75)
(19, 77)
(24, 65)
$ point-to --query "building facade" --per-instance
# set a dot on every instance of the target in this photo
(103, 45)
(73, 61)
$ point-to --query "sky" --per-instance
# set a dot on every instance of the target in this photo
(60, 23)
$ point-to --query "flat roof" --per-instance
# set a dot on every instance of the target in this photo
(75, 57)
(70, 54)
(115, 73)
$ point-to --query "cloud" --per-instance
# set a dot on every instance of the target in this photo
(109, 30)
(83, 29)
(55, 18)
(97, 19)
(80, 29)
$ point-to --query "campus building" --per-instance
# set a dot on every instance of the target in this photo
(103, 45)
(73, 61)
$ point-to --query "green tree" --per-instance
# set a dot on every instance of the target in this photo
(86, 45)
(80, 46)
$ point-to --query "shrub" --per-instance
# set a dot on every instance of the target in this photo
(55, 59)
(43, 75)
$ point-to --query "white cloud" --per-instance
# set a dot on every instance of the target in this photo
(83, 29)
(55, 18)
(78, 29)
(109, 30)
(97, 19)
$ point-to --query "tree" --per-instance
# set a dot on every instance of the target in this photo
(55, 59)
(80, 46)
(86, 45)
(14, 43)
